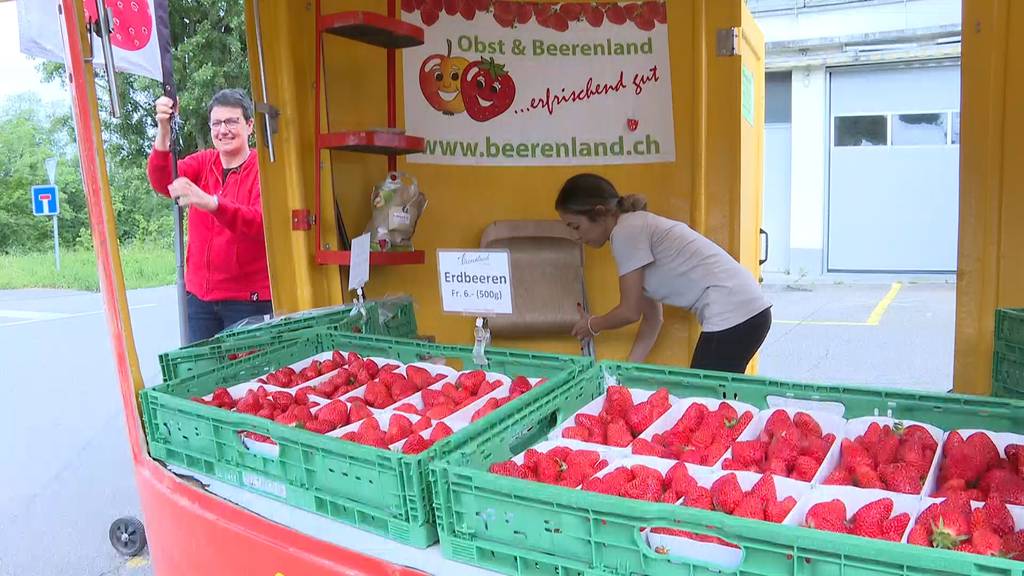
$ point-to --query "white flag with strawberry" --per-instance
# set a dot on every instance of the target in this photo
(133, 33)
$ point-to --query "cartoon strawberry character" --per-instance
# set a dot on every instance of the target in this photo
(487, 90)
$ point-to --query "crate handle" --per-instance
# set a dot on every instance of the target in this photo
(256, 443)
(715, 557)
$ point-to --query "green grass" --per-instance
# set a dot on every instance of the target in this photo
(144, 265)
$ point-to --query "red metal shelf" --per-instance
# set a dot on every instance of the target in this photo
(372, 142)
(344, 258)
(372, 28)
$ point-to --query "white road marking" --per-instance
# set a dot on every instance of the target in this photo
(54, 316)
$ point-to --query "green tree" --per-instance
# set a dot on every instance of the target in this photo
(209, 53)
(31, 132)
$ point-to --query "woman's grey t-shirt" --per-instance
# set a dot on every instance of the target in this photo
(685, 269)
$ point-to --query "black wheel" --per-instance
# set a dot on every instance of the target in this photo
(128, 536)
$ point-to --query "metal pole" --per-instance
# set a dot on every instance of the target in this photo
(56, 243)
(179, 242)
(263, 77)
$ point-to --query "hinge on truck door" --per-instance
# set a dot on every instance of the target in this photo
(302, 220)
(727, 41)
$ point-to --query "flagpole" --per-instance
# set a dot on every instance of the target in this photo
(163, 30)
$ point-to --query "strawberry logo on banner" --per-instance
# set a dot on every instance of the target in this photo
(139, 29)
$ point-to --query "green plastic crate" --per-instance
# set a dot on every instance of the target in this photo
(1008, 371)
(383, 492)
(1010, 326)
(519, 528)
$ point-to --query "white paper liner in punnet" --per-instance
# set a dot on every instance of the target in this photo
(820, 406)
(1017, 512)
(854, 499)
(727, 557)
(1000, 439)
(678, 409)
(594, 408)
(857, 427)
(830, 423)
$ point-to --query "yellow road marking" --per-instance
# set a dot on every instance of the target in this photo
(873, 320)
(137, 562)
(879, 311)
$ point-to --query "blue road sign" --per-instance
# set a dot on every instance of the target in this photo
(44, 200)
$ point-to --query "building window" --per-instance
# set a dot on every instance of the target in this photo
(920, 129)
(954, 138)
(778, 104)
(861, 130)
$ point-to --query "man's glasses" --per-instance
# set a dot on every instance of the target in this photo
(229, 123)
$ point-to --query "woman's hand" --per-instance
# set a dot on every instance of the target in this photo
(186, 193)
(582, 328)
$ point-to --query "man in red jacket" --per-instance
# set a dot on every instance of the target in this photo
(226, 259)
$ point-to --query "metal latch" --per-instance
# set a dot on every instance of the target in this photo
(272, 114)
(727, 41)
(303, 220)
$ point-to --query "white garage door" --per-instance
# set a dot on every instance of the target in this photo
(894, 169)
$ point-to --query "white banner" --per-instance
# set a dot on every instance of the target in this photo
(133, 36)
(525, 84)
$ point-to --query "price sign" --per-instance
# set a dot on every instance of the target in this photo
(475, 282)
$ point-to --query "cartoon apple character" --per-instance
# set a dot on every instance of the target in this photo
(441, 82)
(487, 90)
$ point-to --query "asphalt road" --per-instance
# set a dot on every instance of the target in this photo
(68, 474)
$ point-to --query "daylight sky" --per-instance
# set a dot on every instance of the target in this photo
(18, 72)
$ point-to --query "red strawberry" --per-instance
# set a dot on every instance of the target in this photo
(765, 488)
(429, 15)
(618, 433)
(750, 506)
(866, 477)
(415, 444)
(901, 477)
(740, 424)
(807, 424)
(777, 511)
(829, 516)
(549, 469)
(520, 385)
(641, 416)
(648, 489)
(838, 477)
(950, 529)
(699, 497)
(777, 422)
(997, 516)
(805, 468)
(506, 468)
(726, 493)
(399, 427)
(593, 15)
(617, 402)
(576, 433)
(440, 431)
(749, 452)
(893, 528)
(920, 535)
(644, 447)
(422, 425)
(692, 417)
(320, 426)
(358, 411)
(986, 542)
(1013, 545)
(868, 520)
(334, 412)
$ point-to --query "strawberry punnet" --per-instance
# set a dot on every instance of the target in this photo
(973, 468)
(895, 458)
(790, 447)
(701, 436)
(620, 420)
(561, 466)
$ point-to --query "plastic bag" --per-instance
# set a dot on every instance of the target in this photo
(397, 204)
